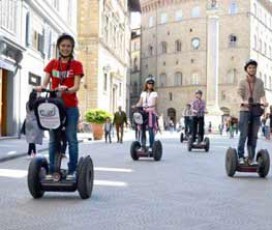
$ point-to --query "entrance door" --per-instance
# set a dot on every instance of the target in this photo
(3, 101)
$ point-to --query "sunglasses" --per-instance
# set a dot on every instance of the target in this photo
(151, 83)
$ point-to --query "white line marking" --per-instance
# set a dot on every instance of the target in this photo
(112, 169)
(110, 183)
(13, 173)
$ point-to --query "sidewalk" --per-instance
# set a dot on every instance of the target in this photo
(14, 148)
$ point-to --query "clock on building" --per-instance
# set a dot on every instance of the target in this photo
(195, 43)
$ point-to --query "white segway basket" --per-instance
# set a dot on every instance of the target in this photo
(49, 116)
(138, 118)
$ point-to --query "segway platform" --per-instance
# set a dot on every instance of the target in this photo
(205, 145)
(261, 167)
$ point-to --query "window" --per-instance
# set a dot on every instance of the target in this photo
(8, 15)
(164, 47)
(255, 42)
(232, 40)
(135, 64)
(28, 30)
(178, 45)
(178, 15)
(233, 8)
(120, 89)
(37, 41)
(105, 85)
(195, 78)
(178, 79)
(196, 12)
(162, 80)
(170, 96)
(150, 23)
(164, 18)
(34, 79)
(150, 50)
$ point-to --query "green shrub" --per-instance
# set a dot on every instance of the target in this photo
(97, 116)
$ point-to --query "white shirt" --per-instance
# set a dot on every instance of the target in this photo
(148, 98)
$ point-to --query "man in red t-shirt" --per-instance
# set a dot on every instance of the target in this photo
(65, 74)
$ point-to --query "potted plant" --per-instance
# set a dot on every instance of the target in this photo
(97, 118)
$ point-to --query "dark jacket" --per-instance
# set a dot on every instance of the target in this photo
(120, 119)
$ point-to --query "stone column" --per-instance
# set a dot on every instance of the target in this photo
(214, 112)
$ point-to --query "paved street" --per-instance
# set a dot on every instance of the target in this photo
(183, 191)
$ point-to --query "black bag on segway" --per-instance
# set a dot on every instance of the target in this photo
(50, 113)
(256, 111)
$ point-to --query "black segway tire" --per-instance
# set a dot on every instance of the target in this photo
(157, 150)
(133, 150)
(207, 144)
(231, 162)
(85, 178)
(37, 169)
(263, 162)
(181, 137)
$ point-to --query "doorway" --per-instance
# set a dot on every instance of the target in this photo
(3, 101)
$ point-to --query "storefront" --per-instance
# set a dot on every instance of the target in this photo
(10, 58)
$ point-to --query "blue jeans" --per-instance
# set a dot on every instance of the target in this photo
(151, 132)
(246, 121)
(72, 115)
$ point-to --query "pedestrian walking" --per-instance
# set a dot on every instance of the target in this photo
(108, 130)
(120, 118)
(34, 135)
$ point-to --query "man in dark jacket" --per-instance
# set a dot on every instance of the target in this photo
(119, 119)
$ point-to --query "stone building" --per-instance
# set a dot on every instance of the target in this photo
(194, 44)
(28, 34)
(135, 82)
(104, 46)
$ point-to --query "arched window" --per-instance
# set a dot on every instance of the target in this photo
(163, 80)
(233, 8)
(195, 78)
(150, 50)
(178, 45)
(164, 47)
(178, 79)
(178, 15)
(232, 40)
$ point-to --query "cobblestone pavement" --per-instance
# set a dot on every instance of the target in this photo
(185, 190)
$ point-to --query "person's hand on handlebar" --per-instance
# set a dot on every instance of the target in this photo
(38, 88)
(62, 88)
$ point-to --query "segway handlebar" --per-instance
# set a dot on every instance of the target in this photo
(252, 104)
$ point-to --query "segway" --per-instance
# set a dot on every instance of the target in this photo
(261, 166)
(184, 137)
(137, 149)
(50, 114)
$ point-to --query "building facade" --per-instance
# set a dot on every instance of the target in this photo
(104, 47)
(28, 34)
(193, 44)
(135, 82)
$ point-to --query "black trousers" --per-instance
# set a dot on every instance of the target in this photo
(31, 148)
(188, 125)
(198, 128)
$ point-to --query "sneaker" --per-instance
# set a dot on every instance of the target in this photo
(71, 176)
(149, 149)
(241, 160)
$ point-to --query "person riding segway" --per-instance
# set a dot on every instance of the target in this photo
(253, 101)
(187, 114)
(65, 74)
(199, 110)
(145, 119)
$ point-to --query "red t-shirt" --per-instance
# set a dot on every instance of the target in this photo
(64, 74)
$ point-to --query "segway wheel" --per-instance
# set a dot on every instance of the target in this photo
(231, 162)
(263, 162)
(190, 144)
(157, 150)
(85, 178)
(133, 150)
(181, 137)
(207, 144)
(37, 170)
